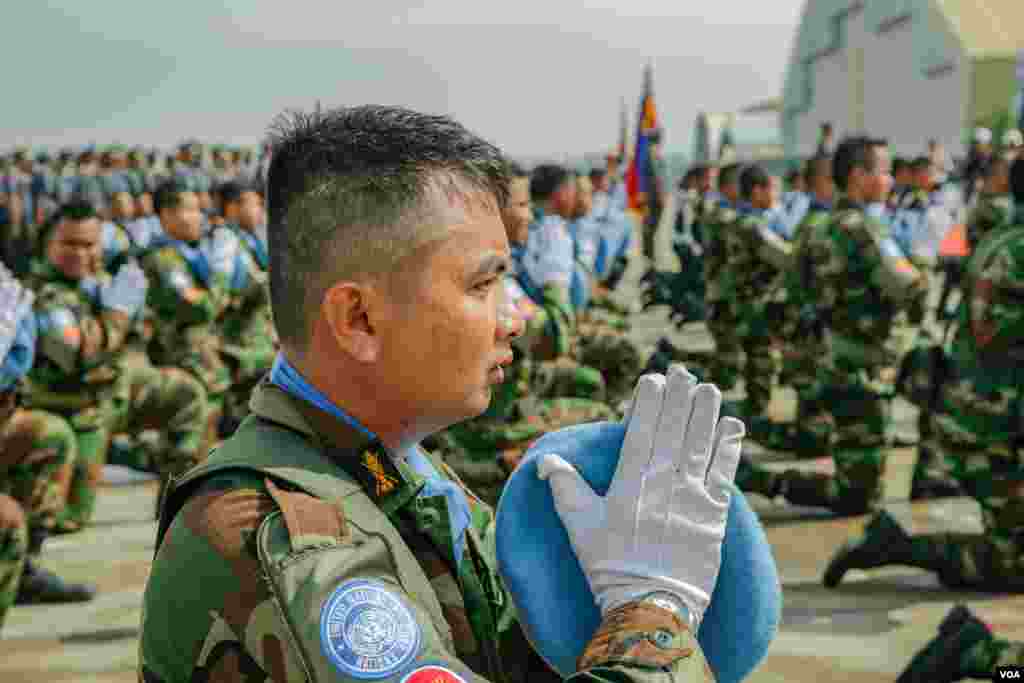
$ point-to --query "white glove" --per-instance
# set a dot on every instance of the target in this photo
(127, 290)
(15, 303)
(221, 250)
(661, 526)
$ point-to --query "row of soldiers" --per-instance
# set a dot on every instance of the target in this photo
(153, 344)
(148, 333)
(829, 297)
(111, 178)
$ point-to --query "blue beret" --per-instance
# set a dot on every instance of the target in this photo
(555, 605)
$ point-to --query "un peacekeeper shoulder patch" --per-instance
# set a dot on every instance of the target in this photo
(367, 631)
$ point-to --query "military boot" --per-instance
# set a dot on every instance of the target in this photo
(948, 657)
(884, 542)
(929, 483)
(42, 587)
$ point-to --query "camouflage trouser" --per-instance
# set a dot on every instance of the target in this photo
(614, 354)
(566, 378)
(846, 402)
(483, 451)
(760, 369)
(814, 428)
(37, 451)
(13, 552)
(166, 399)
(727, 362)
(972, 432)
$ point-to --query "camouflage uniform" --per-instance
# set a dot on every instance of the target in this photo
(187, 299)
(298, 509)
(722, 322)
(865, 286)
(246, 328)
(13, 552)
(977, 429)
(802, 330)
(752, 274)
(37, 450)
(80, 374)
(991, 213)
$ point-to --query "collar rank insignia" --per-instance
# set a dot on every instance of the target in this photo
(381, 473)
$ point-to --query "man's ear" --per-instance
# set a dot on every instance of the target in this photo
(345, 309)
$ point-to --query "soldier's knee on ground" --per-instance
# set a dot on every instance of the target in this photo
(43, 449)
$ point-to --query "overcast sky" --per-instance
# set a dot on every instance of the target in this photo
(537, 77)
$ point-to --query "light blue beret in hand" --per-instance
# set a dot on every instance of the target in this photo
(551, 593)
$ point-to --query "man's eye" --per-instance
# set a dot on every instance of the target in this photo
(485, 284)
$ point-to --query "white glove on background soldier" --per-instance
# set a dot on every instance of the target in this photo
(127, 290)
(661, 526)
(221, 251)
(15, 303)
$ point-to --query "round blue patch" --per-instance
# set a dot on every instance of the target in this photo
(367, 631)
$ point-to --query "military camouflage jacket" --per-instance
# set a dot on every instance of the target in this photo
(78, 348)
(799, 277)
(990, 324)
(304, 551)
(864, 283)
(246, 325)
(991, 213)
(715, 256)
(186, 305)
(755, 259)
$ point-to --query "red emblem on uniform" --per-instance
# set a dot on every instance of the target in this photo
(433, 674)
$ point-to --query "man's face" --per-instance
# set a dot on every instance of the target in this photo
(763, 196)
(823, 187)
(185, 221)
(999, 181)
(877, 181)
(601, 183)
(75, 248)
(563, 201)
(122, 207)
(924, 178)
(440, 338)
(517, 215)
(251, 211)
(708, 180)
(584, 197)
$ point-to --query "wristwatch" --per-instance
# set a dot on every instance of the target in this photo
(672, 603)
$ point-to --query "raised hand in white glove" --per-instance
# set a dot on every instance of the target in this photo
(661, 526)
(15, 303)
(126, 292)
(221, 250)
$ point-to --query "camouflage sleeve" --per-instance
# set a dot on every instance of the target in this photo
(291, 591)
(986, 217)
(561, 321)
(174, 293)
(642, 643)
(996, 313)
(248, 283)
(78, 343)
(876, 257)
